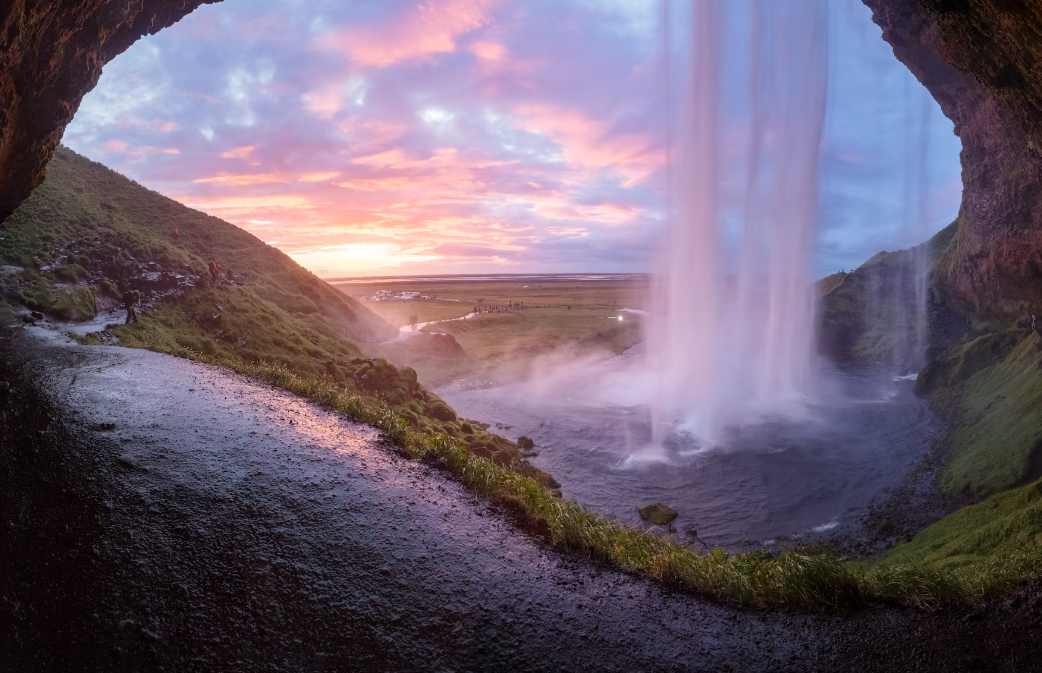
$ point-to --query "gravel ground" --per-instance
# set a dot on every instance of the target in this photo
(159, 514)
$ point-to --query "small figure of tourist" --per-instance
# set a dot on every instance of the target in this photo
(130, 298)
(215, 271)
(1032, 322)
(177, 233)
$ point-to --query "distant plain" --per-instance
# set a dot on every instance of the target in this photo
(577, 314)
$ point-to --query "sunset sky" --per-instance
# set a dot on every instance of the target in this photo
(472, 136)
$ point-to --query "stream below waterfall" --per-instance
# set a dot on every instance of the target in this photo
(767, 483)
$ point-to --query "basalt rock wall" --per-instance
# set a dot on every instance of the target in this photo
(51, 54)
(982, 61)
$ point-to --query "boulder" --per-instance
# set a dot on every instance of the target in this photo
(658, 514)
(525, 443)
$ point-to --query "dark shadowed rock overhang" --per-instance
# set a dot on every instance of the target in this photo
(982, 61)
(51, 54)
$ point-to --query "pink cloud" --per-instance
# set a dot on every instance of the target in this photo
(239, 180)
(588, 143)
(318, 177)
(136, 153)
(367, 135)
(239, 152)
(488, 51)
(432, 27)
(325, 103)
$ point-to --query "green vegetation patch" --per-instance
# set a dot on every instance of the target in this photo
(67, 303)
(1000, 425)
(991, 391)
(984, 548)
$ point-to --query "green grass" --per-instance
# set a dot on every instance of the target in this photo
(554, 293)
(984, 548)
(990, 390)
(68, 303)
(509, 346)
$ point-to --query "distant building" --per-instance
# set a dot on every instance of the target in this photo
(383, 294)
(410, 295)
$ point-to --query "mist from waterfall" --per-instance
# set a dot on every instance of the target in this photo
(732, 335)
(897, 283)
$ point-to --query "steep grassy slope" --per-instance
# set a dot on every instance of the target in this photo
(88, 215)
(990, 390)
(985, 547)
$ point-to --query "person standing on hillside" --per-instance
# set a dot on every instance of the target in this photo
(215, 271)
(1033, 323)
(177, 234)
(130, 298)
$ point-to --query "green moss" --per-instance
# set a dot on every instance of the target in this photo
(997, 413)
(959, 363)
(70, 273)
(68, 303)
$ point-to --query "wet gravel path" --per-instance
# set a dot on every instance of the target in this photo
(158, 514)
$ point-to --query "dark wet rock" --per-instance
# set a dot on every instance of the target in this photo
(525, 443)
(51, 54)
(658, 514)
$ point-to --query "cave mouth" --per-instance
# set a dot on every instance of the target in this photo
(251, 143)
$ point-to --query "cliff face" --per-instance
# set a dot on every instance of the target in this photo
(51, 54)
(982, 61)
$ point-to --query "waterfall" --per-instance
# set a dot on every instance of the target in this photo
(897, 283)
(733, 332)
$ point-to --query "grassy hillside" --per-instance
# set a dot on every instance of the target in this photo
(868, 313)
(990, 391)
(983, 548)
(86, 218)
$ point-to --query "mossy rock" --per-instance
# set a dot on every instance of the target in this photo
(658, 514)
(76, 303)
(525, 443)
(441, 411)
